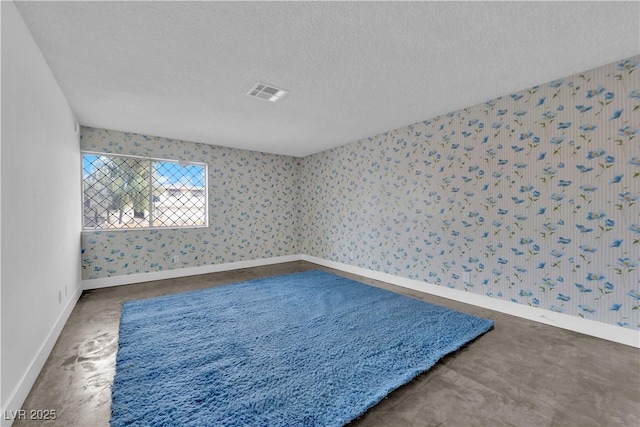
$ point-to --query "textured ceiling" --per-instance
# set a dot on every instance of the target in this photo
(353, 69)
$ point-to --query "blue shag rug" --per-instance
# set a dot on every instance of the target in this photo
(304, 349)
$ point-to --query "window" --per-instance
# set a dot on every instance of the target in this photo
(123, 192)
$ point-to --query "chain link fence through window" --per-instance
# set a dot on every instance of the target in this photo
(122, 192)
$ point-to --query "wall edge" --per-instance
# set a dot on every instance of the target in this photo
(589, 327)
(21, 391)
(129, 279)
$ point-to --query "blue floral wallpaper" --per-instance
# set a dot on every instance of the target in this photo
(534, 196)
(252, 210)
(530, 198)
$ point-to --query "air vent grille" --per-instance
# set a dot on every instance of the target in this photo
(267, 92)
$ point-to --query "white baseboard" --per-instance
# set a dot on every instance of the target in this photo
(128, 279)
(585, 326)
(17, 397)
(573, 323)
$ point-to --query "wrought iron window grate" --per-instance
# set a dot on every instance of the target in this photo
(123, 192)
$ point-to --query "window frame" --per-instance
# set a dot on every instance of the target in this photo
(151, 160)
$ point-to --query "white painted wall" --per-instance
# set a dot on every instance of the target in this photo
(1, 401)
(40, 211)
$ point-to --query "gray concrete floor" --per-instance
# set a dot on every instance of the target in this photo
(521, 373)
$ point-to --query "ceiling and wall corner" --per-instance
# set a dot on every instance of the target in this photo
(530, 198)
(352, 69)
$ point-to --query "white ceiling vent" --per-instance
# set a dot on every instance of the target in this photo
(267, 92)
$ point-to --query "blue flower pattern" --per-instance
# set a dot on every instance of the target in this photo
(535, 195)
(252, 210)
